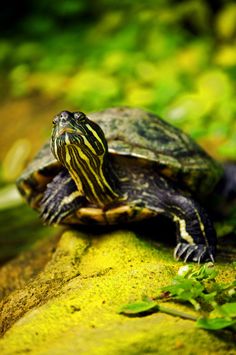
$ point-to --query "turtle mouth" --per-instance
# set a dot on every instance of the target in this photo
(65, 130)
(68, 130)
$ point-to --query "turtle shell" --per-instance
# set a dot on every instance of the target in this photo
(142, 136)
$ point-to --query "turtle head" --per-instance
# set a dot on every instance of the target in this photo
(76, 129)
(80, 145)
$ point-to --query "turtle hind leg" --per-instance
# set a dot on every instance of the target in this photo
(60, 199)
(196, 236)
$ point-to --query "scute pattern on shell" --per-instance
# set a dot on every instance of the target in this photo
(138, 133)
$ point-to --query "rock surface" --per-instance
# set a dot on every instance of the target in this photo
(63, 297)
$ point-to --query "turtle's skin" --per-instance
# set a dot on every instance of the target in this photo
(123, 165)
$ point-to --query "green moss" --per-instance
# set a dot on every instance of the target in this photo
(71, 305)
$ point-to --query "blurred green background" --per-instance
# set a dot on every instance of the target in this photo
(175, 58)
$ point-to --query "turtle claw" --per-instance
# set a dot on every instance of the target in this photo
(50, 216)
(194, 252)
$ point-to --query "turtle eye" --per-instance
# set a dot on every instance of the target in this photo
(80, 116)
(64, 116)
(55, 120)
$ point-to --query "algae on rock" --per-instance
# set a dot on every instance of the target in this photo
(68, 300)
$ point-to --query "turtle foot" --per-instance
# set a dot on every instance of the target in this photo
(199, 253)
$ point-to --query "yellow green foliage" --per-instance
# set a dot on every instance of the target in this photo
(175, 58)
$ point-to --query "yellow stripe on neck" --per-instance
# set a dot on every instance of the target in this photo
(96, 188)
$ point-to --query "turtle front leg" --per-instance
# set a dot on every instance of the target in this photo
(196, 236)
(60, 199)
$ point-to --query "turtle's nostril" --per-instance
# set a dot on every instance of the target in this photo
(64, 115)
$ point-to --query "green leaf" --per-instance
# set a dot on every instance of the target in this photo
(214, 323)
(209, 297)
(148, 306)
(228, 309)
(205, 272)
(138, 307)
(184, 289)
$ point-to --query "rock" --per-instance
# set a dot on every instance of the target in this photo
(63, 297)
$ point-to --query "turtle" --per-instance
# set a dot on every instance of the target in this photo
(123, 165)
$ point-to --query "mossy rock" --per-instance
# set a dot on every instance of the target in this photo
(63, 297)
